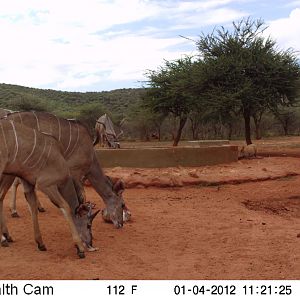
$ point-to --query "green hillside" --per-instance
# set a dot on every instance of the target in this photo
(68, 104)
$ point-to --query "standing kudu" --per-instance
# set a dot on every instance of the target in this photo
(38, 160)
(77, 149)
(105, 133)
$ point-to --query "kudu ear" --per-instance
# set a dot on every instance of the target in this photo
(119, 187)
(90, 205)
(85, 209)
(82, 210)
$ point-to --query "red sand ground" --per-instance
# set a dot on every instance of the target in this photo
(240, 231)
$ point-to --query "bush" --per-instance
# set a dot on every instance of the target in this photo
(89, 113)
(29, 102)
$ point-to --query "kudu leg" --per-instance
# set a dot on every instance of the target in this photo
(3, 228)
(39, 206)
(102, 140)
(56, 198)
(80, 191)
(5, 183)
(12, 204)
(32, 201)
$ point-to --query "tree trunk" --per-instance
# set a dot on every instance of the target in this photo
(158, 132)
(195, 129)
(285, 128)
(158, 125)
(257, 122)
(179, 131)
(195, 132)
(257, 132)
(144, 134)
(196, 135)
(285, 124)
(247, 127)
(229, 135)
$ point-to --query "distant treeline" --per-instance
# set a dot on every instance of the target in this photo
(126, 105)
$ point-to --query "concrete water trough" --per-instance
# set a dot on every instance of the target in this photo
(167, 157)
(204, 143)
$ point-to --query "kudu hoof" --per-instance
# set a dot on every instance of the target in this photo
(4, 243)
(8, 237)
(15, 215)
(81, 254)
(42, 247)
(41, 209)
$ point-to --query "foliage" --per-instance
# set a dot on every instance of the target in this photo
(245, 73)
(89, 113)
(70, 103)
(171, 91)
(30, 103)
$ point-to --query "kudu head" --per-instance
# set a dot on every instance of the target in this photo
(84, 217)
(113, 142)
(116, 212)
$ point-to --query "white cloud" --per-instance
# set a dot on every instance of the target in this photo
(211, 17)
(54, 43)
(57, 44)
(73, 83)
(286, 31)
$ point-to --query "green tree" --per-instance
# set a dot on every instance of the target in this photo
(89, 113)
(245, 72)
(144, 121)
(287, 117)
(29, 102)
(171, 91)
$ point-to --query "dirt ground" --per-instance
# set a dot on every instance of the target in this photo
(231, 230)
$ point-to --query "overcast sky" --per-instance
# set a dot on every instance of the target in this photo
(96, 45)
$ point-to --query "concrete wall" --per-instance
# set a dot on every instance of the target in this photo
(205, 143)
(167, 157)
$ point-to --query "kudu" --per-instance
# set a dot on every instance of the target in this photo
(105, 133)
(4, 112)
(37, 159)
(79, 153)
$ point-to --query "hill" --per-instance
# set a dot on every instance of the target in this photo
(68, 104)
